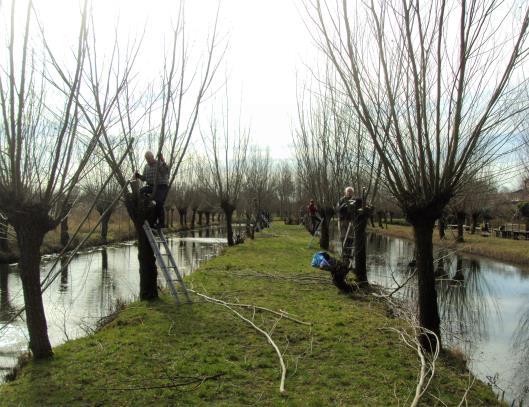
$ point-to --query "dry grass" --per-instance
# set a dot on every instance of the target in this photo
(120, 229)
(507, 250)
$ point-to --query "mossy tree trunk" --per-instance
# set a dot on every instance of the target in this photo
(31, 226)
(428, 309)
(147, 261)
(360, 246)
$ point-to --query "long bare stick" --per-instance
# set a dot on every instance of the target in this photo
(268, 337)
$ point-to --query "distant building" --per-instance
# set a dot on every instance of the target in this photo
(521, 194)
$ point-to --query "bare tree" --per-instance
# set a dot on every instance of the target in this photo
(322, 153)
(165, 119)
(285, 189)
(226, 155)
(258, 186)
(343, 147)
(39, 140)
(448, 99)
(104, 193)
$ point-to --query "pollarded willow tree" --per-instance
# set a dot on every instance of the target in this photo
(225, 167)
(334, 152)
(43, 155)
(104, 193)
(162, 119)
(258, 186)
(284, 189)
(322, 141)
(444, 76)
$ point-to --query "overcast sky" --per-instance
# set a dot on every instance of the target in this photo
(268, 47)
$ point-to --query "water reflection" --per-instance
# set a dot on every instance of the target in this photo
(7, 310)
(521, 350)
(64, 275)
(463, 292)
(479, 305)
(89, 288)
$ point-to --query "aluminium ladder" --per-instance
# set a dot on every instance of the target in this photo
(348, 248)
(161, 262)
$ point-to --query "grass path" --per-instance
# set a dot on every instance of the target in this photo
(147, 354)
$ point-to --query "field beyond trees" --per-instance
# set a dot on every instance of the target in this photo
(202, 354)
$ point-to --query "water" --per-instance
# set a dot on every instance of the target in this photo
(484, 309)
(89, 289)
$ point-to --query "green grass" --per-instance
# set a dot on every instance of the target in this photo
(348, 357)
(507, 250)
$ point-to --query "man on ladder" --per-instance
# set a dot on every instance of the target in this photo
(346, 209)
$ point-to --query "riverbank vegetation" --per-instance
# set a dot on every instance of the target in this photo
(199, 354)
(120, 229)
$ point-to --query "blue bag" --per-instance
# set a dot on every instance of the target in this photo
(319, 259)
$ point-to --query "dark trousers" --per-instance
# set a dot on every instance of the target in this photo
(158, 217)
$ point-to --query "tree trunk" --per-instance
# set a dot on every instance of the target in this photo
(148, 270)
(65, 236)
(474, 224)
(360, 247)
(208, 218)
(147, 262)
(29, 241)
(428, 310)
(326, 214)
(200, 213)
(181, 214)
(193, 217)
(229, 228)
(104, 226)
(250, 229)
(442, 227)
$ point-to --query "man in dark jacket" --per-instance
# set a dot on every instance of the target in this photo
(346, 208)
(156, 175)
(314, 220)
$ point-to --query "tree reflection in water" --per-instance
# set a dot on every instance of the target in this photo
(464, 301)
(7, 310)
(63, 286)
(521, 349)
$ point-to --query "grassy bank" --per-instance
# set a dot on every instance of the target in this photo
(507, 250)
(202, 354)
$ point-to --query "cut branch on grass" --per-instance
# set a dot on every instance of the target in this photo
(257, 328)
(198, 380)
